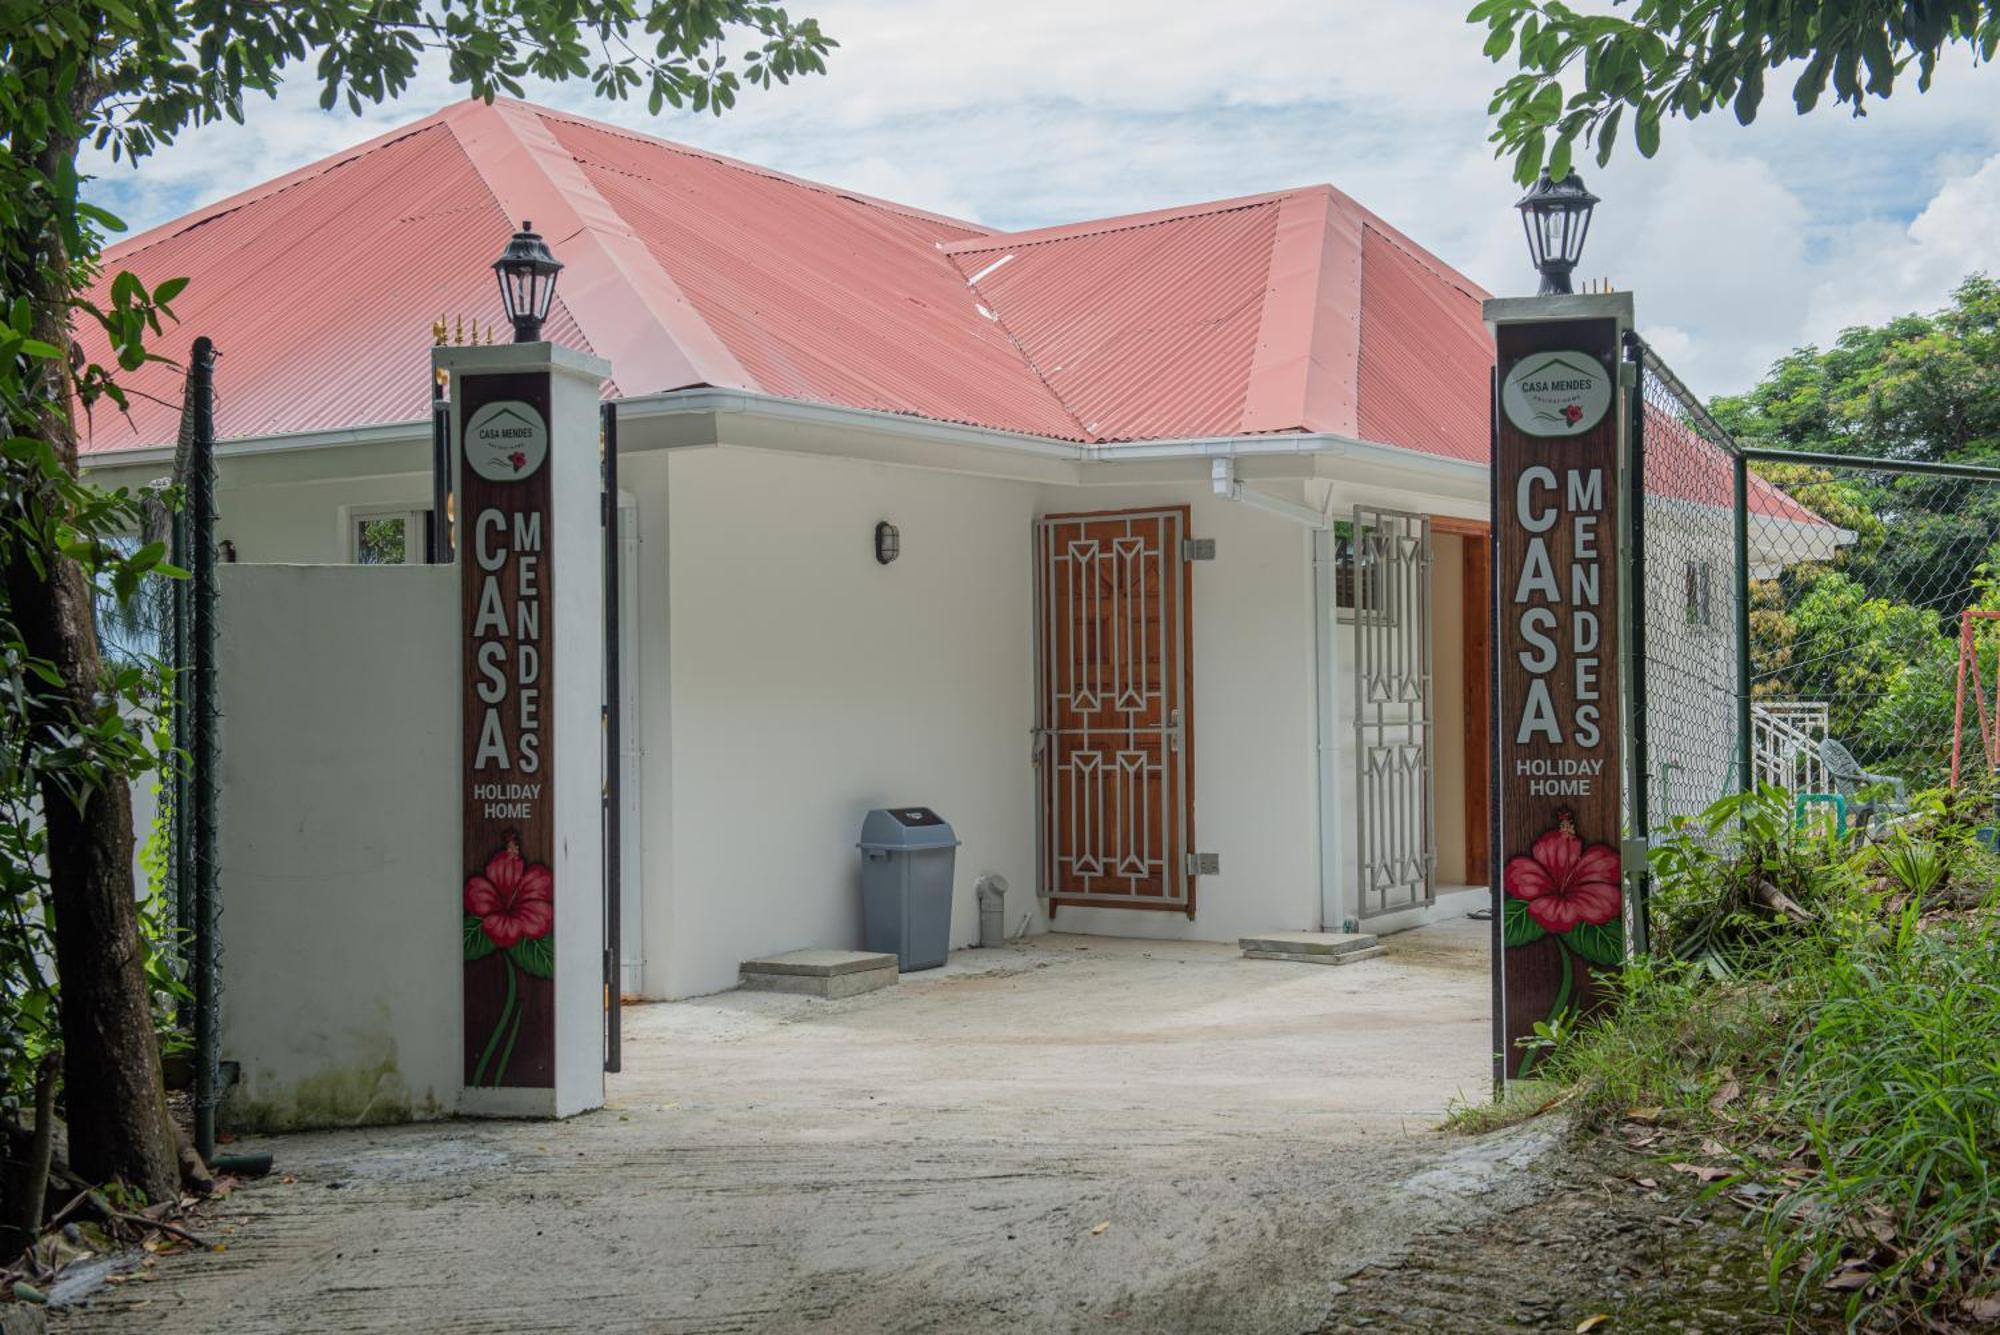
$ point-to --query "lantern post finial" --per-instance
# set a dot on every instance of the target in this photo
(1556, 216)
(527, 274)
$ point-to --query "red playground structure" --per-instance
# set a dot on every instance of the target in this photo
(1985, 692)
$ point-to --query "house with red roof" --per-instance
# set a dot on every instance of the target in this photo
(1144, 549)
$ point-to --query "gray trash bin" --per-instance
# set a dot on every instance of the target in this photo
(906, 862)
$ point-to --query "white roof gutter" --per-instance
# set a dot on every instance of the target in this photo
(713, 400)
(710, 400)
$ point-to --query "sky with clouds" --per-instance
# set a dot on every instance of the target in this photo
(1739, 243)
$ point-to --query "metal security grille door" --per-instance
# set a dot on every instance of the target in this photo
(1396, 836)
(1112, 725)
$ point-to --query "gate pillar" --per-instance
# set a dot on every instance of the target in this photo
(1559, 410)
(526, 498)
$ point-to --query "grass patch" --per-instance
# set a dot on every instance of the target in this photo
(1826, 1048)
(1523, 1100)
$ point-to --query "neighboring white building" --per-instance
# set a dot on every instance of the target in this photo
(1125, 461)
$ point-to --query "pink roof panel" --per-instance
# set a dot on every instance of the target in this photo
(320, 294)
(1143, 331)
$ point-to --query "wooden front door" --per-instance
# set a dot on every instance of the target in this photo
(1114, 750)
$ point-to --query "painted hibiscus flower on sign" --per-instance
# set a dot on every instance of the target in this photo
(1570, 890)
(510, 908)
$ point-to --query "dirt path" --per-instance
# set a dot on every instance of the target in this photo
(1076, 1135)
(1579, 1234)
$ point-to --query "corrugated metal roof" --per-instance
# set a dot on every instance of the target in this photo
(1292, 311)
(1144, 331)
(320, 294)
(817, 295)
(1426, 358)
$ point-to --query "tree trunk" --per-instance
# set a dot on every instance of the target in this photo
(113, 1091)
(24, 1184)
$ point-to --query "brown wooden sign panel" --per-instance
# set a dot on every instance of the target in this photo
(508, 889)
(1557, 769)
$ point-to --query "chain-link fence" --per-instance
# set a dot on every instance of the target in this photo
(1685, 650)
(1858, 613)
(1826, 624)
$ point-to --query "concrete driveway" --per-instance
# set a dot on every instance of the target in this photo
(1077, 1133)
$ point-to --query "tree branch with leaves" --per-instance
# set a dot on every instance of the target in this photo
(1585, 75)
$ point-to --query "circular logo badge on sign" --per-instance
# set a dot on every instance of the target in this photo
(1556, 393)
(506, 441)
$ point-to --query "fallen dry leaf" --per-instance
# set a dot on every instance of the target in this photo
(1851, 1279)
(1649, 1184)
(1100, 1228)
(1725, 1096)
(1592, 1322)
(1644, 1114)
(1703, 1172)
(1982, 1309)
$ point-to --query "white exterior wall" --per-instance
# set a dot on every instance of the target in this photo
(785, 683)
(1256, 790)
(339, 847)
(805, 684)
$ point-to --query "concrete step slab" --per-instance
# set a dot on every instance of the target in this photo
(1308, 943)
(829, 974)
(1313, 957)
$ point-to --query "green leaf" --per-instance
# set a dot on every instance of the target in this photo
(168, 290)
(1518, 927)
(1749, 95)
(478, 945)
(1647, 128)
(1607, 135)
(1559, 158)
(1602, 945)
(535, 955)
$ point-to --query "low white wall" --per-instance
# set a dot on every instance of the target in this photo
(807, 683)
(339, 845)
(1255, 749)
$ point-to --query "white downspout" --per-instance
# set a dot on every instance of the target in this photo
(1326, 672)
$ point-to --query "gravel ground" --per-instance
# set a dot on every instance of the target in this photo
(1075, 1134)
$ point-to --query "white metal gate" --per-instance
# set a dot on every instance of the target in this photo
(1396, 835)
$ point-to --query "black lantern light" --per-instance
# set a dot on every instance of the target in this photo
(888, 542)
(527, 273)
(1556, 216)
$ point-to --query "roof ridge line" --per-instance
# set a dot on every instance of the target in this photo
(755, 169)
(1122, 222)
(624, 300)
(1020, 349)
(1302, 338)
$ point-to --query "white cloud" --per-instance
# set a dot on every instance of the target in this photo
(1904, 269)
(1739, 242)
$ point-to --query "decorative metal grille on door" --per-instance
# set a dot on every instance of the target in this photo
(1392, 710)
(1112, 728)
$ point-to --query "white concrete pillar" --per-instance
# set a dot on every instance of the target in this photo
(530, 554)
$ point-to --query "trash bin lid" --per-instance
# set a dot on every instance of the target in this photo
(889, 828)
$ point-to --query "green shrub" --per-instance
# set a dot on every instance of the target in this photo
(1860, 1028)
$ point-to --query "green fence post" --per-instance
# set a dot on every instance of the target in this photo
(1745, 780)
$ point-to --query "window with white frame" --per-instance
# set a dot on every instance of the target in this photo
(387, 535)
(1356, 572)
